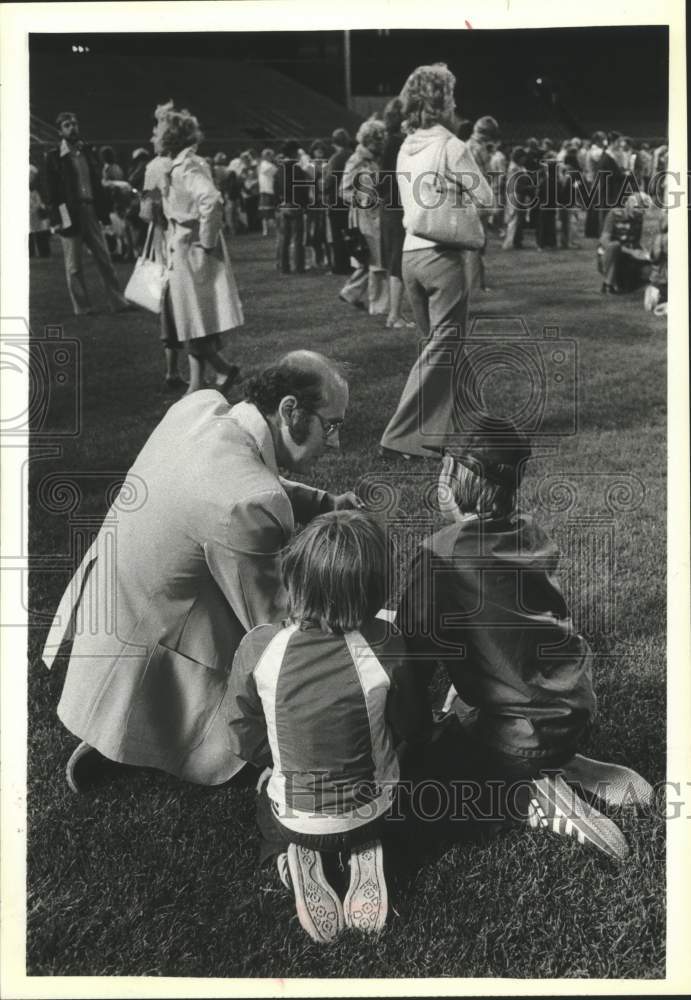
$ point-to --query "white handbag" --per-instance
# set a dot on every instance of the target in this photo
(148, 282)
(441, 213)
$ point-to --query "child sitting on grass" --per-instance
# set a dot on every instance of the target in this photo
(330, 710)
(482, 597)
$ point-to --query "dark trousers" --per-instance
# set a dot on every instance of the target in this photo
(290, 231)
(39, 243)
(546, 234)
(90, 234)
(515, 224)
(316, 235)
(338, 219)
(621, 270)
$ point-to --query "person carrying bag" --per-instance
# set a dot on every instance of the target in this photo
(441, 188)
(149, 280)
(441, 209)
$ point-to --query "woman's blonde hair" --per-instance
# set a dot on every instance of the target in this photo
(427, 95)
(372, 134)
(335, 571)
(181, 129)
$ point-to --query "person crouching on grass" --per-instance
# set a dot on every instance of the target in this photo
(326, 696)
(497, 620)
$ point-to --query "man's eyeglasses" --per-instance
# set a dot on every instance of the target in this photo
(329, 427)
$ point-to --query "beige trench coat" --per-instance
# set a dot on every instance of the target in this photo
(202, 287)
(187, 560)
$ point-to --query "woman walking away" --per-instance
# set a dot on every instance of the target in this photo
(201, 288)
(434, 274)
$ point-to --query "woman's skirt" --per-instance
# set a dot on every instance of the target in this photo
(267, 205)
(392, 237)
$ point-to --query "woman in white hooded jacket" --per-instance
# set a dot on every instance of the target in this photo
(434, 274)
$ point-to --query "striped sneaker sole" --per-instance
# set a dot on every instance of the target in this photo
(318, 907)
(367, 901)
(556, 807)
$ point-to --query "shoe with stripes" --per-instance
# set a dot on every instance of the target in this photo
(283, 873)
(367, 901)
(611, 783)
(318, 907)
(556, 807)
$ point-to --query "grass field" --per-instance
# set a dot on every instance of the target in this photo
(149, 876)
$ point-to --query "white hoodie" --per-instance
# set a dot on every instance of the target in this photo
(420, 154)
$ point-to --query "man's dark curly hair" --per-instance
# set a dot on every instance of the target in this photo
(267, 389)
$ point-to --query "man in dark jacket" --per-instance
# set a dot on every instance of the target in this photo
(78, 204)
(338, 210)
(292, 199)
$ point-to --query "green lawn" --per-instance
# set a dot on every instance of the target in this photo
(148, 876)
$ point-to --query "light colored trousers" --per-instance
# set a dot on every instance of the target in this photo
(368, 285)
(91, 234)
(440, 384)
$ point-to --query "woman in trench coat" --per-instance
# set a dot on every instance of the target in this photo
(201, 295)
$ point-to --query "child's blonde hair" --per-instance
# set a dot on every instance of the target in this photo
(335, 571)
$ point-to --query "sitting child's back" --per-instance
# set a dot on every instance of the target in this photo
(330, 702)
(325, 697)
(498, 621)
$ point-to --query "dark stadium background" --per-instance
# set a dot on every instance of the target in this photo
(254, 88)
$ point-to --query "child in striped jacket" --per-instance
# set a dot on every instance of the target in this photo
(326, 696)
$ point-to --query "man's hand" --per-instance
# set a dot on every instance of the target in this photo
(348, 501)
(445, 491)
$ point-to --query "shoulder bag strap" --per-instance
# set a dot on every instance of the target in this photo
(148, 250)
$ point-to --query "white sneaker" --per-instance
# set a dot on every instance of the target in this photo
(556, 807)
(318, 907)
(611, 783)
(367, 902)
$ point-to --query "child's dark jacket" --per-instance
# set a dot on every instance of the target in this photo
(482, 598)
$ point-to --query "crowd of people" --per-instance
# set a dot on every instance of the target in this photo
(336, 204)
(236, 643)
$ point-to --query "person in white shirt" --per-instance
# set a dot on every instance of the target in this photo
(266, 173)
